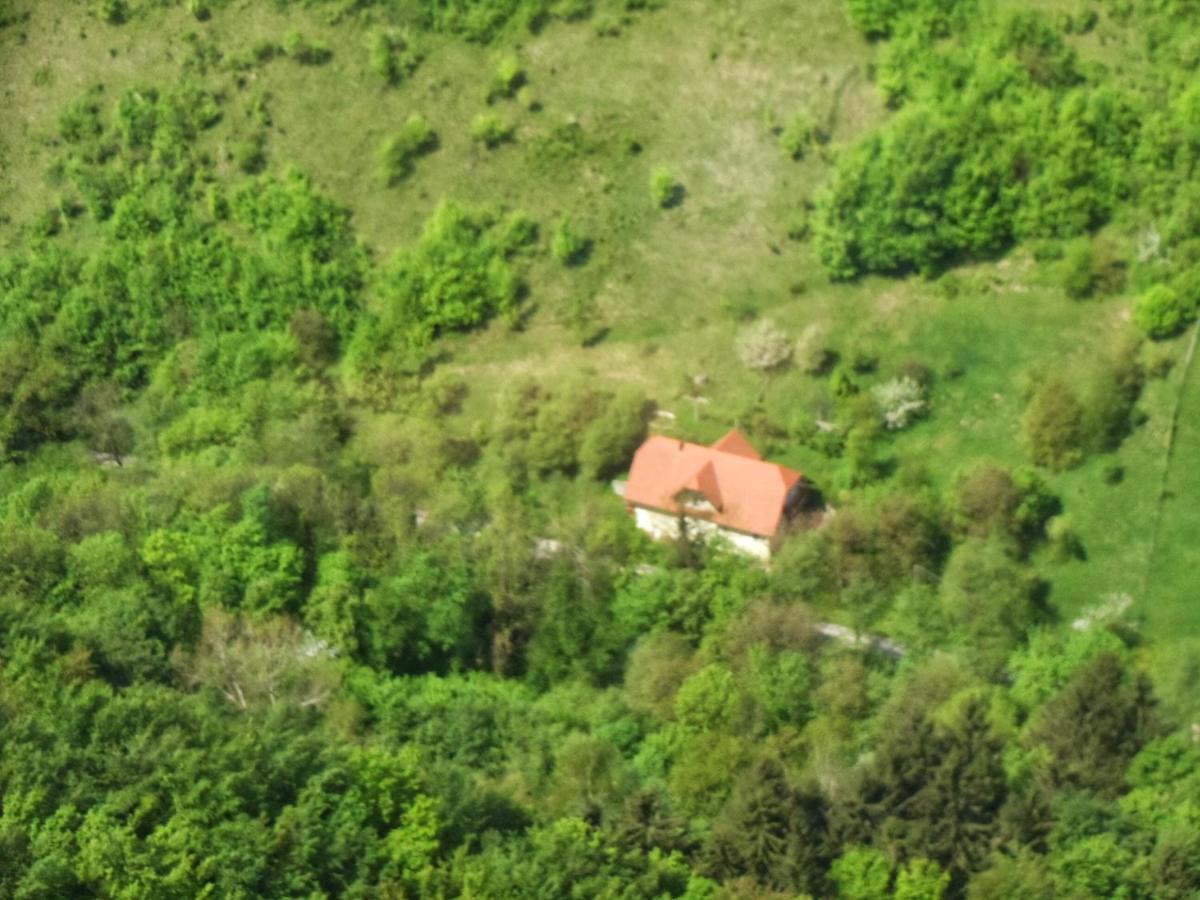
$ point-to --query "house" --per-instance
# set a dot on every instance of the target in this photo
(676, 487)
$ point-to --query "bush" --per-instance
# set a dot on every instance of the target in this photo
(762, 346)
(1077, 270)
(798, 135)
(392, 55)
(485, 20)
(457, 276)
(401, 151)
(610, 440)
(509, 78)
(1092, 267)
(665, 191)
(114, 12)
(1112, 392)
(1160, 313)
(566, 245)
(250, 155)
(490, 130)
(900, 401)
(304, 51)
(1054, 426)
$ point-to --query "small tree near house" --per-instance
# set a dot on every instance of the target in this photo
(763, 347)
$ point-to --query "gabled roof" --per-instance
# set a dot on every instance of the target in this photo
(746, 492)
(735, 442)
(704, 482)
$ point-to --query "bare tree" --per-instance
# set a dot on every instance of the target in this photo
(250, 663)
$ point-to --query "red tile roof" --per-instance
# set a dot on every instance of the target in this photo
(747, 493)
(734, 442)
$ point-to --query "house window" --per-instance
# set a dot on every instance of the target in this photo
(695, 502)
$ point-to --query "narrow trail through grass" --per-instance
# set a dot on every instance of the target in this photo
(1169, 579)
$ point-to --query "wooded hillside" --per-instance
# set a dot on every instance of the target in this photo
(326, 325)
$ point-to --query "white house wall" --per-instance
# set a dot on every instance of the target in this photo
(666, 527)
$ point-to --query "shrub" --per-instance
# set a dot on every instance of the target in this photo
(509, 78)
(1077, 270)
(250, 155)
(813, 353)
(797, 135)
(400, 151)
(114, 12)
(80, 121)
(1092, 267)
(457, 276)
(762, 346)
(1160, 313)
(665, 191)
(485, 21)
(608, 443)
(490, 130)
(1112, 392)
(304, 51)
(1054, 425)
(566, 245)
(987, 500)
(900, 401)
(392, 55)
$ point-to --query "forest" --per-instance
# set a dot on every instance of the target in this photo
(327, 326)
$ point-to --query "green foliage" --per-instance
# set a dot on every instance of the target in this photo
(114, 12)
(1095, 725)
(769, 831)
(1161, 313)
(914, 196)
(304, 51)
(400, 152)
(781, 683)
(1054, 425)
(991, 600)
(428, 616)
(997, 142)
(485, 21)
(798, 135)
(568, 246)
(392, 55)
(461, 273)
(921, 879)
(879, 18)
(509, 78)
(277, 621)
(250, 155)
(861, 873)
(665, 190)
(1091, 267)
(491, 130)
(708, 700)
(1048, 661)
(608, 443)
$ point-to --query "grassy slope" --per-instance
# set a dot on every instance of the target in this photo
(696, 85)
